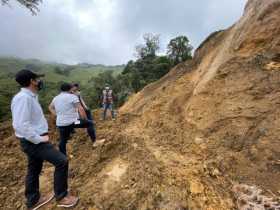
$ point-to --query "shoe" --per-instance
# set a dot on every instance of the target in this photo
(98, 143)
(68, 201)
(42, 201)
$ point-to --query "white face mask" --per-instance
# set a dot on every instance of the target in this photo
(77, 93)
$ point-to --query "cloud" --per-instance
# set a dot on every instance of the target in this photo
(106, 31)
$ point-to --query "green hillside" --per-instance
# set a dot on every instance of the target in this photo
(55, 74)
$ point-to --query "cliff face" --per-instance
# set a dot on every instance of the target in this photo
(188, 140)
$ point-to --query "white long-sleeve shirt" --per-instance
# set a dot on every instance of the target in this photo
(29, 121)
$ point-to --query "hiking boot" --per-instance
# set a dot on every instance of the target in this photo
(68, 201)
(42, 201)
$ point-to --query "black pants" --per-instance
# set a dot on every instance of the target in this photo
(65, 133)
(36, 155)
(91, 129)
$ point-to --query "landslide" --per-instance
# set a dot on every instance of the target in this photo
(206, 136)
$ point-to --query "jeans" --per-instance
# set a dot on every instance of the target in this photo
(36, 155)
(107, 106)
(65, 133)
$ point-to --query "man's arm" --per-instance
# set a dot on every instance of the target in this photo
(83, 103)
(81, 111)
(52, 109)
(79, 107)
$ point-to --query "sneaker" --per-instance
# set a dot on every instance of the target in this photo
(98, 143)
(68, 201)
(42, 201)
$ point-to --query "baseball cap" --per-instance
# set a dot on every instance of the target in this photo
(24, 76)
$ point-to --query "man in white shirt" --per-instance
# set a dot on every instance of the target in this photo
(69, 113)
(31, 128)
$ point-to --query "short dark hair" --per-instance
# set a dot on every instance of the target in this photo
(24, 76)
(65, 87)
(76, 85)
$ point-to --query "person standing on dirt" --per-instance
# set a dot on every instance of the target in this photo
(31, 128)
(69, 113)
(107, 102)
(90, 129)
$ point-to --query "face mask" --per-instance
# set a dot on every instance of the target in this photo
(40, 85)
(78, 93)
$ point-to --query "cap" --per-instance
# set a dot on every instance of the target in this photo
(24, 76)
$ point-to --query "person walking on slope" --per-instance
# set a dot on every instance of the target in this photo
(31, 129)
(90, 129)
(107, 102)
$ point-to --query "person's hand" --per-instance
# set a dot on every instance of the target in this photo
(45, 138)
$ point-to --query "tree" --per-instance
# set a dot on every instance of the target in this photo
(149, 48)
(128, 68)
(179, 49)
(32, 5)
(162, 65)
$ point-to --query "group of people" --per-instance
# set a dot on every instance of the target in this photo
(31, 128)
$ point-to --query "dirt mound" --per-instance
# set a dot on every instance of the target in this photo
(187, 141)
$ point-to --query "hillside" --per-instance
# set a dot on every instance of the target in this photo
(204, 137)
(80, 72)
(55, 74)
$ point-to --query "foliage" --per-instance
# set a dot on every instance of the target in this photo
(32, 5)
(92, 92)
(149, 67)
(149, 48)
(66, 71)
(179, 49)
(8, 88)
(144, 71)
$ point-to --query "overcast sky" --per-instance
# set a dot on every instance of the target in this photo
(106, 31)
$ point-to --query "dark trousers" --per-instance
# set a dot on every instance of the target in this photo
(66, 131)
(36, 155)
(91, 129)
